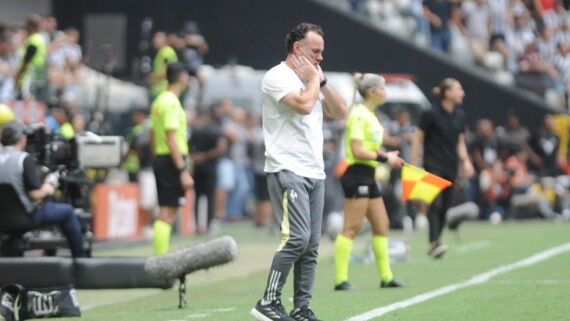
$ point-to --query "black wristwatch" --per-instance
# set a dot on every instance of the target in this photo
(381, 158)
(323, 83)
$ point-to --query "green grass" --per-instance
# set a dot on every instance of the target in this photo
(536, 292)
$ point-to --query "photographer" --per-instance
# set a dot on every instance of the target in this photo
(18, 169)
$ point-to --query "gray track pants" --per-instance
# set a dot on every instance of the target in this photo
(298, 207)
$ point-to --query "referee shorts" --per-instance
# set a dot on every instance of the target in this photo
(358, 182)
(169, 189)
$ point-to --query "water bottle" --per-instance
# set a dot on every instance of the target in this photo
(408, 225)
(398, 250)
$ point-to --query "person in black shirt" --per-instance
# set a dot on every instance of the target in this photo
(439, 14)
(207, 144)
(485, 148)
(546, 144)
(442, 130)
(491, 182)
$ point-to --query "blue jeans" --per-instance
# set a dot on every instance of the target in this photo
(225, 178)
(441, 39)
(238, 195)
(64, 216)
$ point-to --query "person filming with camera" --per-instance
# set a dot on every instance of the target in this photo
(18, 169)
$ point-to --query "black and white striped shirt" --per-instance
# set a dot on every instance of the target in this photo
(547, 48)
(499, 21)
(562, 64)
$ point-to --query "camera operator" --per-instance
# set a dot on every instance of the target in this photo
(18, 169)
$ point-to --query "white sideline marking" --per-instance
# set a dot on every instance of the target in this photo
(196, 316)
(477, 279)
(209, 312)
(89, 307)
(544, 282)
(223, 310)
(472, 246)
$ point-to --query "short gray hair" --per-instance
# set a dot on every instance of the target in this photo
(11, 133)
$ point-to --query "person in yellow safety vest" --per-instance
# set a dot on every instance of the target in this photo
(132, 161)
(62, 117)
(165, 55)
(30, 77)
(6, 116)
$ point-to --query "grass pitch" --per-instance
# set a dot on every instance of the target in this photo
(539, 291)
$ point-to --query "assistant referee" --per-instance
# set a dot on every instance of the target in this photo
(363, 199)
(170, 147)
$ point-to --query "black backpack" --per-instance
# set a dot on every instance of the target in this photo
(18, 303)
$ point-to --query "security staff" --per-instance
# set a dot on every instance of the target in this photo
(30, 77)
(165, 55)
(132, 160)
(170, 146)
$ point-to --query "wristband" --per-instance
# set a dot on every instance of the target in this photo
(380, 157)
(184, 168)
(323, 83)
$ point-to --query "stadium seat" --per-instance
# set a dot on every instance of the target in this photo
(552, 98)
(504, 77)
(493, 61)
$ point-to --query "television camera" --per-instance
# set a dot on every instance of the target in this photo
(70, 158)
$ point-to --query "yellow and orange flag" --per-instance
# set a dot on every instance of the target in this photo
(418, 184)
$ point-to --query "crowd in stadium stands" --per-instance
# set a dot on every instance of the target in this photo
(519, 173)
(60, 55)
(41, 62)
(524, 42)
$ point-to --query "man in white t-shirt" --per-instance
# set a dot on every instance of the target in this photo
(295, 95)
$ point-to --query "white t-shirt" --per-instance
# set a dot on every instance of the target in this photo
(477, 19)
(293, 141)
(64, 53)
(498, 10)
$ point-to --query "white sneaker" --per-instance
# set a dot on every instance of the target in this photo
(438, 252)
(214, 228)
(421, 222)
